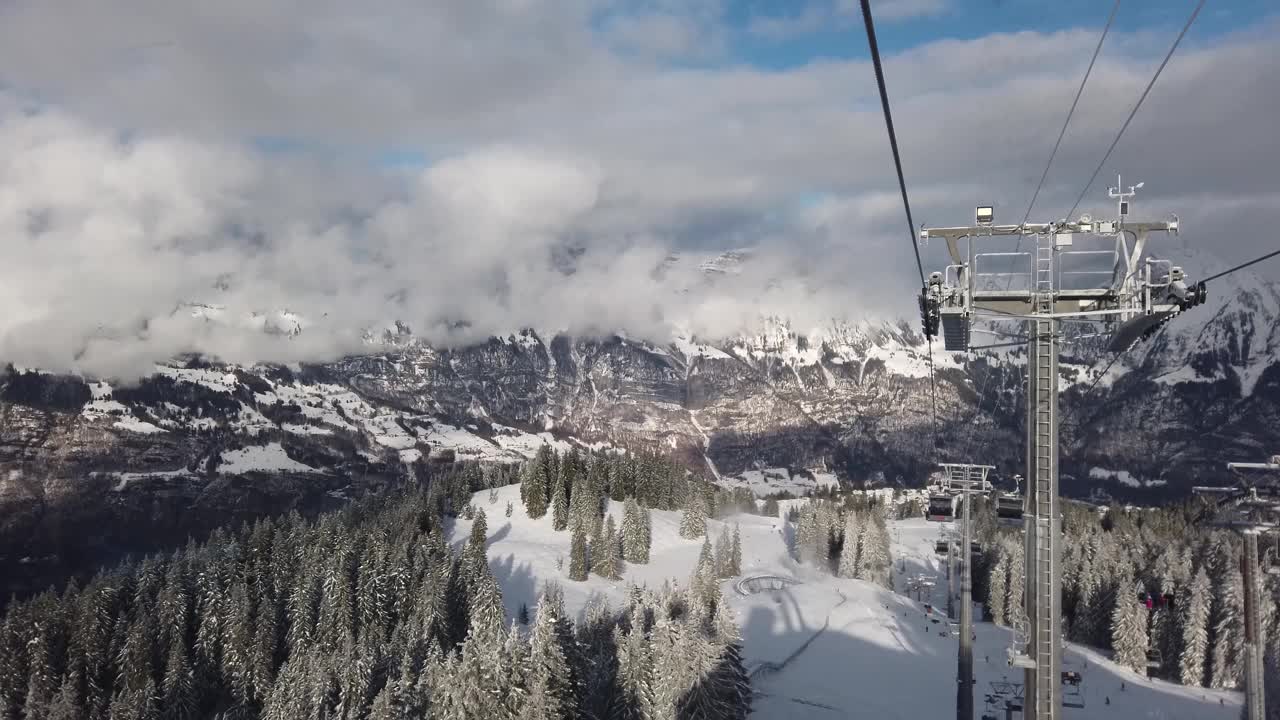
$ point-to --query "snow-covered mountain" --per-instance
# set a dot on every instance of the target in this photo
(851, 398)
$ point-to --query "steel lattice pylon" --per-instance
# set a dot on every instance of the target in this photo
(1138, 294)
(1042, 555)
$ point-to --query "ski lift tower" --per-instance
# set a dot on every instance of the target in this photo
(1252, 508)
(966, 480)
(1133, 297)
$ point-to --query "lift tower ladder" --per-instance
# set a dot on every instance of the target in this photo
(1136, 295)
(1040, 514)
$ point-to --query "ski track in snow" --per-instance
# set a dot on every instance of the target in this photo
(879, 655)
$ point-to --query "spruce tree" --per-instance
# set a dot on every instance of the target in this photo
(634, 547)
(735, 553)
(806, 537)
(1195, 631)
(578, 555)
(647, 516)
(602, 562)
(724, 546)
(479, 531)
(535, 481)
(996, 589)
(848, 565)
(1129, 628)
(635, 699)
(614, 540)
(559, 505)
(1228, 642)
(693, 519)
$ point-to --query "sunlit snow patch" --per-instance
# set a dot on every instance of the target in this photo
(261, 458)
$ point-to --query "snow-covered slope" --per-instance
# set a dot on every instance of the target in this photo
(824, 647)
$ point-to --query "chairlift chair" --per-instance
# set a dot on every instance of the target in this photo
(1072, 692)
(941, 546)
(1154, 660)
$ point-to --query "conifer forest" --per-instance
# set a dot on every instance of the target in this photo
(367, 613)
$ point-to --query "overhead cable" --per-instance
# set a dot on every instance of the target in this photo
(1134, 111)
(902, 186)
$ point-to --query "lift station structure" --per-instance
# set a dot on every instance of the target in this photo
(1132, 294)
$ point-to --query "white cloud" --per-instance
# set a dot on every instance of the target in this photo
(554, 149)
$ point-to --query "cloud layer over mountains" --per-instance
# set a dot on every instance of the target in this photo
(497, 164)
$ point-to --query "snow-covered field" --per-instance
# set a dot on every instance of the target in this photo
(864, 651)
(767, 481)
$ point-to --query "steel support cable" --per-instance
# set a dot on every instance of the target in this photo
(1141, 98)
(906, 203)
(1222, 274)
(1063, 132)
(1134, 111)
(1241, 266)
(1035, 195)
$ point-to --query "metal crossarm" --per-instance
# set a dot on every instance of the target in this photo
(1133, 299)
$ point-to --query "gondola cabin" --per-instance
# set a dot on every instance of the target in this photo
(941, 508)
(940, 547)
(1009, 510)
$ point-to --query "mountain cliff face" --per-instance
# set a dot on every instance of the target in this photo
(199, 443)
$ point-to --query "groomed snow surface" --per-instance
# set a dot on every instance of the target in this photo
(878, 656)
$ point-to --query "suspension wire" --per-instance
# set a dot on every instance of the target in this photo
(906, 204)
(982, 394)
(1062, 133)
(1241, 266)
(1223, 274)
(1134, 111)
(893, 137)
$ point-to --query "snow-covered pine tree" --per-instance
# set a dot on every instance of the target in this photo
(614, 542)
(996, 588)
(536, 481)
(635, 699)
(1129, 627)
(559, 504)
(723, 548)
(1013, 605)
(647, 516)
(873, 555)
(487, 613)
(635, 547)
(578, 554)
(824, 521)
(806, 536)
(602, 560)
(849, 550)
(1228, 636)
(1195, 631)
(693, 519)
(735, 552)
(732, 682)
(703, 584)
(479, 531)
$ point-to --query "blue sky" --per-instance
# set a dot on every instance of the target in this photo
(842, 34)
